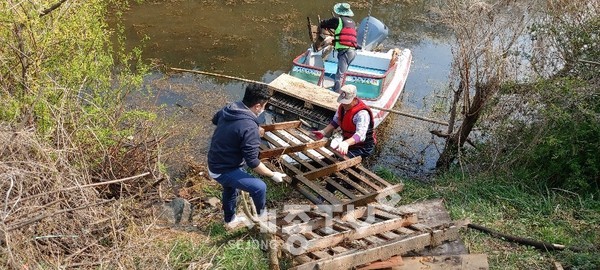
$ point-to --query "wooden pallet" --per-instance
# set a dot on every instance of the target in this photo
(346, 227)
(359, 237)
(318, 172)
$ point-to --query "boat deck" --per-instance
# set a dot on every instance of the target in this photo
(311, 94)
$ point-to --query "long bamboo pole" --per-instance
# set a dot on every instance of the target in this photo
(259, 82)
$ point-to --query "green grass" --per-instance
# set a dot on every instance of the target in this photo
(509, 206)
(185, 251)
(242, 254)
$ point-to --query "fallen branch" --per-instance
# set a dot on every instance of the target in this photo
(544, 246)
(85, 186)
(590, 62)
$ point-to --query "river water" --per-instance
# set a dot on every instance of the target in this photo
(257, 40)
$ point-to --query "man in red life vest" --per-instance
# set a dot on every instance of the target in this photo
(355, 120)
(344, 40)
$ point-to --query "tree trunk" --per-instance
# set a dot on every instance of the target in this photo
(457, 139)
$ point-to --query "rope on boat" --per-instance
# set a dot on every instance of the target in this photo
(364, 41)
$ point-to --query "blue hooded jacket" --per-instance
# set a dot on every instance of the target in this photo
(236, 139)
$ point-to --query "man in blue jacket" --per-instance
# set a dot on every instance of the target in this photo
(235, 143)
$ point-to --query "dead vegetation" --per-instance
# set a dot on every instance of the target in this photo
(56, 213)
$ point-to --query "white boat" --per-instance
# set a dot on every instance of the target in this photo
(379, 77)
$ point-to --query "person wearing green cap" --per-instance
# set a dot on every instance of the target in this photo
(344, 41)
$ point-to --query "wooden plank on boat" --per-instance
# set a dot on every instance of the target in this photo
(381, 251)
(451, 262)
(305, 91)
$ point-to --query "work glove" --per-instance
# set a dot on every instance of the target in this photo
(318, 134)
(278, 177)
(342, 148)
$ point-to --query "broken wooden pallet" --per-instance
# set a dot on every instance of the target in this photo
(348, 227)
(361, 236)
(318, 172)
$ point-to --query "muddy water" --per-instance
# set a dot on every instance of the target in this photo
(257, 40)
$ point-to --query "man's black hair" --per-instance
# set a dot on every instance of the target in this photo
(256, 93)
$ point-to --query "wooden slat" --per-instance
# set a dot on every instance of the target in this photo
(361, 232)
(333, 168)
(294, 183)
(389, 235)
(332, 159)
(373, 175)
(319, 222)
(373, 197)
(302, 259)
(385, 250)
(321, 254)
(404, 231)
(446, 262)
(279, 151)
(330, 181)
(351, 171)
(390, 263)
(338, 249)
(282, 125)
(328, 196)
(300, 178)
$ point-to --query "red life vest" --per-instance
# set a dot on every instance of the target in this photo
(349, 128)
(345, 34)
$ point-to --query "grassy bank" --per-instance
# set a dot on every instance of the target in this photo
(502, 203)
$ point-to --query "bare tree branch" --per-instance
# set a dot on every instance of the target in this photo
(52, 8)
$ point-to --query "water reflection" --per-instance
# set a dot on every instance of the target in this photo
(258, 39)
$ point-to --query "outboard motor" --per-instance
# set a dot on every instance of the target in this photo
(376, 33)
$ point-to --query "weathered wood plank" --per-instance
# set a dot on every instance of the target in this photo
(450, 262)
(282, 125)
(318, 160)
(295, 183)
(327, 156)
(333, 168)
(373, 197)
(386, 250)
(320, 222)
(321, 254)
(360, 232)
(350, 171)
(386, 264)
(278, 151)
(373, 175)
(338, 249)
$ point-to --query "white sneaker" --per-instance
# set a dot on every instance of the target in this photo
(236, 223)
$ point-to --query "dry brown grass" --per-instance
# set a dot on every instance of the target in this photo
(55, 214)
